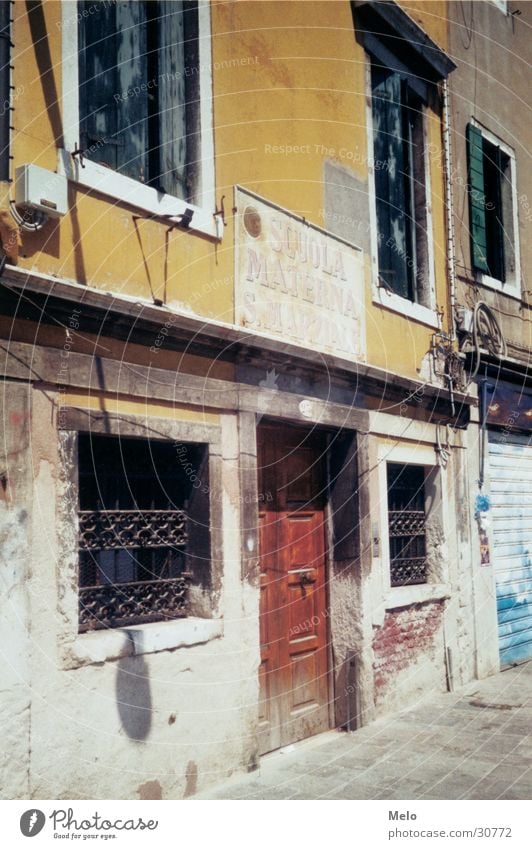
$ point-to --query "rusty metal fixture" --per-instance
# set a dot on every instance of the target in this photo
(408, 570)
(408, 563)
(159, 534)
(406, 523)
(110, 529)
(115, 605)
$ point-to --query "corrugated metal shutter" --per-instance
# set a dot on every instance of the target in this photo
(511, 496)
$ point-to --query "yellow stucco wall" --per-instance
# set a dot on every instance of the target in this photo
(299, 79)
(112, 403)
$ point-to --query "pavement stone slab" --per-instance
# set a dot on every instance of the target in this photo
(442, 748)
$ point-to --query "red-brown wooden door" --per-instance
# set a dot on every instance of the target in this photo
(293, 608)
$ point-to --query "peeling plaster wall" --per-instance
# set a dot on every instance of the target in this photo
(15, 634)
(353, 500)
(167, 722)
(422, 634)
(409, 656)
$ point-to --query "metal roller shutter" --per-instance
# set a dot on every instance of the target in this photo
(510, 460)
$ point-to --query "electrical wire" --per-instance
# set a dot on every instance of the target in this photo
(29, 226)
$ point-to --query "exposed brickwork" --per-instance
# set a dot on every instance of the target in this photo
(407, 638)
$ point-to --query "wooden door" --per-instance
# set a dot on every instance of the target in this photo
(293, 608)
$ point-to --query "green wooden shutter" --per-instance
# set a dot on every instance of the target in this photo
(477, 199)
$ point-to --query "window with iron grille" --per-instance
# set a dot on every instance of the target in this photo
(142, 508)
(407, 524)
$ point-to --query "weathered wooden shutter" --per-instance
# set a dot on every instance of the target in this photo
(113, 104)
(97, 82)
(172, 99)
(132, 108)
(477, 199)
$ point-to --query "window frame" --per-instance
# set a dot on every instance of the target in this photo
(123, 189)
(104, 539)
(512, 285)
(436, 585)
(380, 295)
(78, 648)
(423, 476)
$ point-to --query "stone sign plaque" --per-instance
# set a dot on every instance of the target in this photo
(296, 282)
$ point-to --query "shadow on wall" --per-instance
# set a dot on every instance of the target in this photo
(133, 694)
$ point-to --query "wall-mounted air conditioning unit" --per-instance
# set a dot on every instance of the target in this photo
(40, 189)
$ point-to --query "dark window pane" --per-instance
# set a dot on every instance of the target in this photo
(390, 184)
(393, 153)
(494, 162)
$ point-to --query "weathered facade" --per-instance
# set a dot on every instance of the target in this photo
(236, 502)
(491, 191)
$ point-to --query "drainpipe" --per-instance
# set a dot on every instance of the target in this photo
(6, 107)
(448, 170)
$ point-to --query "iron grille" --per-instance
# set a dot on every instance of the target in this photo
(408, 563)
(131, 567)
(107, 529)
(115, 605)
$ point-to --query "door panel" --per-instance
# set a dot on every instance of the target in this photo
(293, 614)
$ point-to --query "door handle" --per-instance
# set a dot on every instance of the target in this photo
(305, 578)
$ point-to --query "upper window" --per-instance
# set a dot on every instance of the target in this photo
(405, 68)
(138, 87)
(491, 207)
(400, 191)
(143, 529)
(137, 106)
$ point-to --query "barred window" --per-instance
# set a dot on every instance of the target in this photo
(407, 524)
(143, 506)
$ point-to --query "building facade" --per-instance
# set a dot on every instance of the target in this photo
(491, 189)
(237, 501)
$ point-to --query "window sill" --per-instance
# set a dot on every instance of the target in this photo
(415, 594)
(409, 309)
(112, 644)
(126, 190)
(504, 288)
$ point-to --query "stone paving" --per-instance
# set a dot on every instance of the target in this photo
(472, 744)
